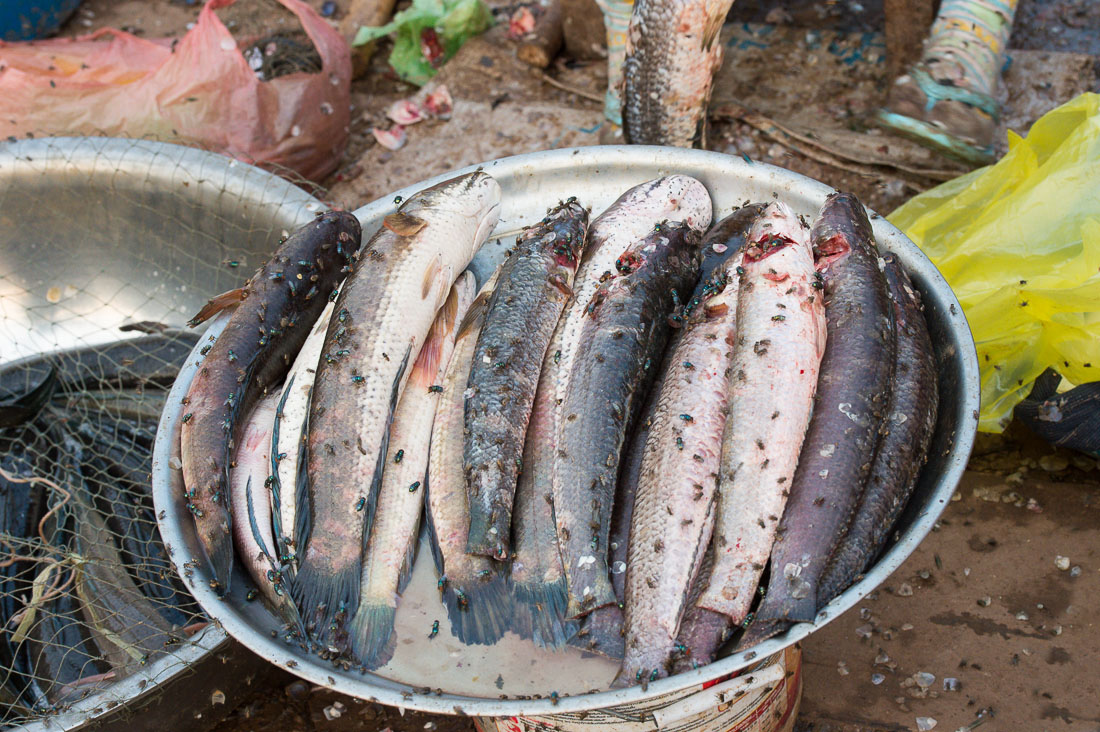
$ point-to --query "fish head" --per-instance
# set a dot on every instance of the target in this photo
(695, 207)
(473, 196)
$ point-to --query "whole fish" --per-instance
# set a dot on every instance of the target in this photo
(779, 345)
(853, 395)
(382, 316)
(473, 588)
(903, 446)
(277, 308)
(674, 507)
(672, 54)
(391, 547)
(534, 287)
(621, 344)
(288, 440)
(250, 498)
(602, 631)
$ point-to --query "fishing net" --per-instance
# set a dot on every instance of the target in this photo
(107, 247)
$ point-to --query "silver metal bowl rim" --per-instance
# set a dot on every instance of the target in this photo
(171, 163)
(670, 160)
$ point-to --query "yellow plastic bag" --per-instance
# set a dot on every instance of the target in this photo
(1019, 243)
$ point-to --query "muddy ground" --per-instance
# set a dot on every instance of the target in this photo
(982, 600)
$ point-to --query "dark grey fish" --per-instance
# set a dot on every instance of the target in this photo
(623, 337)
(276, 310)
(903, 445)
(535, 285)
(853, 395)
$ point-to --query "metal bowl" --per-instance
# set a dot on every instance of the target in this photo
(98, 232)
(597, 175)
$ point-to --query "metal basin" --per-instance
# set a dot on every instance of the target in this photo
(597, 175)
(98, 232)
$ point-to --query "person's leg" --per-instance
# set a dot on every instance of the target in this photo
(616, 18)
(945, 100)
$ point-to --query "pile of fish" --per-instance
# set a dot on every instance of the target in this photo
(87, 592)
(607, 440)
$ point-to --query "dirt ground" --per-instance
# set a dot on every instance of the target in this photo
(982, 600)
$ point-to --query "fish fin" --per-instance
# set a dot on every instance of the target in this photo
(276, 485)
(702, 633)
(409, 560)
(371, 635)
(480, 610)
(433, 535)
(218, 303)
(326, 598)
(425, 370)
(431, 277)
(285, 608)
(761, 630)
(786, 607)
(254, 525)
(713, 27)
(219, 553)
(540, 613)
(475, 314)
(602, 632)
(403, 224)
(303, 509)
(380, 465)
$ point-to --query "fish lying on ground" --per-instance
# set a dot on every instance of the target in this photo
(853, 394)
(903, 446)
(288, 440)
(473, 588)
(621, 343)
(277, 308)
(779, 345)
(391, 547)
(535, 284)
(672, 54)
(630, 218)
(382, 316)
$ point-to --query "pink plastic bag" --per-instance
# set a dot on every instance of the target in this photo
(198, 91)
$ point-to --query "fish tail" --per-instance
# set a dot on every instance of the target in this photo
(602, 633)
(371, 635)
(216, 304)
(219, 552)
(540, 613)
(481, 610)
(303, 516)
(760, 630)
(326, 598)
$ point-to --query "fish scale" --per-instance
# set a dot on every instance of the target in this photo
(780, 340)
(533, 290)
(381, 319)
(622, 339)
(672, 53)
(673, 515)
(277, 308)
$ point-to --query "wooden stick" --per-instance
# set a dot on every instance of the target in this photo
(572, 90)
(539, 47)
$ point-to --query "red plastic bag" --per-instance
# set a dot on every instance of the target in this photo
(198, 91)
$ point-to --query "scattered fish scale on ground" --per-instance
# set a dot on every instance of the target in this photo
(534, 285)
(277, 308)
(773, 375)
(417, 253)
(391, 546)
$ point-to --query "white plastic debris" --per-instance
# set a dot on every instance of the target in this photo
(842, 668)
(877, 679)
(924, 679)
(1061, 562)
(1075, 571)
(905, 590)
(951, 684)
(334, 711)
(926, 723)
(864, 631)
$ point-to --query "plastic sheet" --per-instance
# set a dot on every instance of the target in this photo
(1019, 243)
(199, 91)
